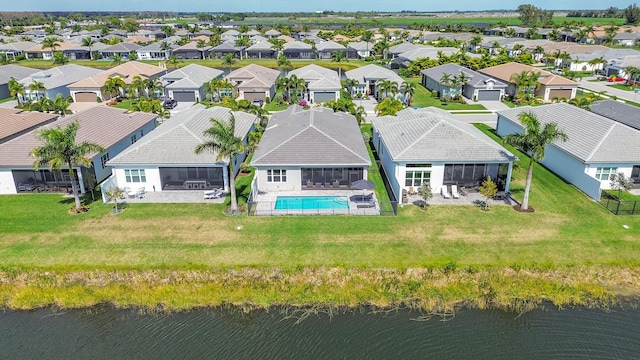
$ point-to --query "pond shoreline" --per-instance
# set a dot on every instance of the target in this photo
(424, 289)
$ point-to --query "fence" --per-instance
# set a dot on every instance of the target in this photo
(271, 208)
(619, 207)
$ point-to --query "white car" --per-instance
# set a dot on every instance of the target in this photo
(557, 71)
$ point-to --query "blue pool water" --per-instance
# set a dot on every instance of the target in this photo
(312, 203)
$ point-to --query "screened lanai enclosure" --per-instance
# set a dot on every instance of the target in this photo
(330, 177)
(192, 178)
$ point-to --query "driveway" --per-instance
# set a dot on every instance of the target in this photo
(9, 104)
(494, 106)
(603, 86)
(488, 119)
(181, 106)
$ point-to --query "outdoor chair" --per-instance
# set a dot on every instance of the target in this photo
(454, 192)
(213, 194)
(445, 192)
(412, 191)
(366, 204)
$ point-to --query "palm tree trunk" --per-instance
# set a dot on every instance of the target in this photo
(527, 187)
(74, 187)
(232, 186)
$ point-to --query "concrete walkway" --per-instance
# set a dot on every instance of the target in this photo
(603, 86)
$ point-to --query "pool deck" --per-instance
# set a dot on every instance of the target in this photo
(265, 203)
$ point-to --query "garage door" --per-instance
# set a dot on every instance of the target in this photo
(86, 97)
(184, 96)
(250, 95)
(488, 95)
(320, 97)
(560, 94)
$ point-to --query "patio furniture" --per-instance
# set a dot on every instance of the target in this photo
(309, 183)
(336, 183)
(454, 192)
(500, 195)
(140, 193)
(213, 194)
(412, 191)
(366, 205)
(25, 187)
(445, 192)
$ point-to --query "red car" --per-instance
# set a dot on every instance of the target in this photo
(616, 79)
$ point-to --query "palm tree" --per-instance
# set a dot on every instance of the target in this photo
(366, 36)
(61, 105)
(168, 30)
(338, 56)
(116, 59)
(595, 62)
(388, 107)
(284, 64)
(533, 140)
(228, 60)
(211, 88)
(173, 60)
(16, 89)
(50, 43)
(137, 86)
(152, 86)
(296, 85)
(408, 89)
(89, 42)
(224, 142)
(632, 74)
(59, 58)
(59, 148)
(166, 47)
(38, 88)
(4, 59)
(350, 84)
(282, 86)
(277, 45)
(113, 86)
(133, 55)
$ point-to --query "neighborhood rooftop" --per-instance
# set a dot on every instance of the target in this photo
(15, 122)
(618, 111)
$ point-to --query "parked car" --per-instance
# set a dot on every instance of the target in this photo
(557, 71)
(257, 102)
(614, 78)
(169, 104)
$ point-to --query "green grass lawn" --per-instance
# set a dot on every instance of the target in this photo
(423, 98)
(273, 106)
(126, 104)
(6, 100)
(622, 87)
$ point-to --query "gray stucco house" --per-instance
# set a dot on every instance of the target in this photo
(187, 84)
(478, 86)
(12, 71)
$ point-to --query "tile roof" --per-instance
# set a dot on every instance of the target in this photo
(296, 45)
(60, 75)
(127, 71)
(618, 111)
(318, 77)
(17, 46)
(373, 72)
(476, 79)
(592, 138)
(174, 142)
(14, 71)
(252, 75)
(431, 134)
(329, 46)
(311, 137)
(505, 71)
(194, 73)
(14, 122)
(121, 47)
(102, 125)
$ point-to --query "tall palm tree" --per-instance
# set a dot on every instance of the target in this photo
(16, 89)
(50, 43)
(61, 105)
(632, 74)
(38, 88)
(113, 86)
(89, 42)
(350, 84)
(284, 64)
(116, 59)
(366, 36)
(4, 59)
(277, 45)
(228, 60)
(211, 88)
(224, 142)
(296, 85)
(338, 57)
(173, 60)
(533, 140)
(137, 86)
(282, 86)
(152, 87)
(408, 89)
(59, 148)
(166, 47)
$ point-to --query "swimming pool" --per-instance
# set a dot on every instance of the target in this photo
(312, 203)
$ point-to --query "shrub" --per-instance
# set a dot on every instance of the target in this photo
(267, 99)
(369, 58)
(434, 94)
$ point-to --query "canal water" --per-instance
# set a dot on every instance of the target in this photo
(107, 333)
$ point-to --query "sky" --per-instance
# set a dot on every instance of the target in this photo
(297, 5)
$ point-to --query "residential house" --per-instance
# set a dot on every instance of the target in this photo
(79, 52)
(627, 39)
(261, 50)
(325, 49)
(89, 89)
(8, 72)
(617, 111)
(253, 82)
(363, 49)
(38, 52)
(166, 160)
(192, 51)
(322, 84)
(113, 129)
(187, 84)
(123, 49)
(403, 60)
(551, 86)
(228, 47)
(618, 65)
(429, 145)
(298, 50)
(272, 33)
(596, 148)
(15, 49)
(403, 47)
(309, 150)
(55, 81)
(477, 86)
(368, 77)
(155, 51)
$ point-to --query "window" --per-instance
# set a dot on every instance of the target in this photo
(604, 173)
(276, 175)
(416, 178)
(103, 160)
(134, 138)
(135, 175)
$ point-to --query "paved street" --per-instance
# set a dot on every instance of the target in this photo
(602, 86)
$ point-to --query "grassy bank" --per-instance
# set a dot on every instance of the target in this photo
(571, 250)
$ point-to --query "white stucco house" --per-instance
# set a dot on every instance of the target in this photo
(166, 158)
(322, 84)
(597, 147)
(429, 145)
